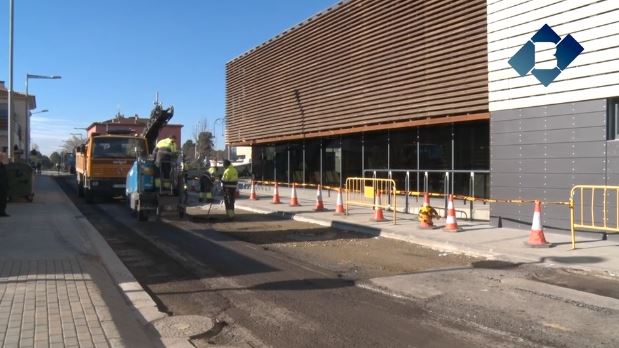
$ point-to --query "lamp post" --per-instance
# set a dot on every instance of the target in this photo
(78, 134)
(27, 102)
(222, 120)
(10, 91)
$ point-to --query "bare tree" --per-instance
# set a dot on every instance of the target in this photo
(200, 127)
(71, 143)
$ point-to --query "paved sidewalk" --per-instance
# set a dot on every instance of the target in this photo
(56, 288)
(477, 238)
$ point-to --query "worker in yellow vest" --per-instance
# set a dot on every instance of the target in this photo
(229, 180)
(168, 143)
(163, 155)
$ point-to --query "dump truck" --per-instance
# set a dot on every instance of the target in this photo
(102, 163)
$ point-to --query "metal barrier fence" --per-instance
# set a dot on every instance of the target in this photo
(421, 178)
(363, 191)
(591, 219)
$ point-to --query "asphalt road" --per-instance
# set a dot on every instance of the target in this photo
(265, 298)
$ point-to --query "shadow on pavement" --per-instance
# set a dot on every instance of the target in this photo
(285, 285)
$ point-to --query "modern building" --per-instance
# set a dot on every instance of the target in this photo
(386, 88)
(18, 128)
(368, 87)
(133, 123)
(545, 140)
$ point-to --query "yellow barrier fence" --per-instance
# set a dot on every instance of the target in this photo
(590, 209)
(363, 191)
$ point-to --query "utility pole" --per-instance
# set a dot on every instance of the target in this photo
(10, 98)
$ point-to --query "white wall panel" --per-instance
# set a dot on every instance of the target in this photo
(593, 74)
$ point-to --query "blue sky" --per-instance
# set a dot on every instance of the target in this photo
(116, 54)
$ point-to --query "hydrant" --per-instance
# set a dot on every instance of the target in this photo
(426, 214)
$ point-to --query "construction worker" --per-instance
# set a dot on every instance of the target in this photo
(4, 183)
(206, 185)
(168, 143)
(229, 180)
(212, 170)
(163, 156)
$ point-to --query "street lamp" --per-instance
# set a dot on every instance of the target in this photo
(78, 134)
(223, 125)
(28, 77)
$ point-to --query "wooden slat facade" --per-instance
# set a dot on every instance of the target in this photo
(378, 63)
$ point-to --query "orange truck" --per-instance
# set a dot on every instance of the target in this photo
(102, 163)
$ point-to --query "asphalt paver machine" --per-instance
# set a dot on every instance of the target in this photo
(156, 184)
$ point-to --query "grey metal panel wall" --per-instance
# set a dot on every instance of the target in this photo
(541, 152)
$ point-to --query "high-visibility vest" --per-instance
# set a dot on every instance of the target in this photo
(167, 143)
(230, 177)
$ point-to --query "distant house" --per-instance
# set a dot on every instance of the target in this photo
(19, 120)
(135, 124)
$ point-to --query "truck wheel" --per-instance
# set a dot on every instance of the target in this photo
(142, 215)
(80, 188)
(89, 196)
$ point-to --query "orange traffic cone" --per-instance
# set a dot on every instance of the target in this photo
(294, 201)
(427, 222)
(536, 237)
(339, 203)
(451, 225)
(319, 204)
(275, 195)
(378, 210)
(252, 193)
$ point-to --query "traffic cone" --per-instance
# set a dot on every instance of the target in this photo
(378, 210)
(451, 225)
(426, 224)
(275, 195)
(252, 193)
(294, 201)
(339, 203)
(319, 204)
(536, 237)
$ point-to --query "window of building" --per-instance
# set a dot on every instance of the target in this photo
(268, 168)
(312, 161)
(612, 111)
(257, 162)
(296, 162)
(281, 163)
(352, 160)
(375, 151)
(331, 161)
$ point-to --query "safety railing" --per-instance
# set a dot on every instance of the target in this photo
(590, 209)
(364, 191)
(422, 179)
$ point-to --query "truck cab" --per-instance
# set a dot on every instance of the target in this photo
(103, 162)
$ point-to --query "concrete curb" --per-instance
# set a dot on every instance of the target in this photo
(142, 304)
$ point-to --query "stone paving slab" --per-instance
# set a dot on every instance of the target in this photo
(55, 286)
(46, 301)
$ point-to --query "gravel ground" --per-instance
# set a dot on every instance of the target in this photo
(352, 255)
